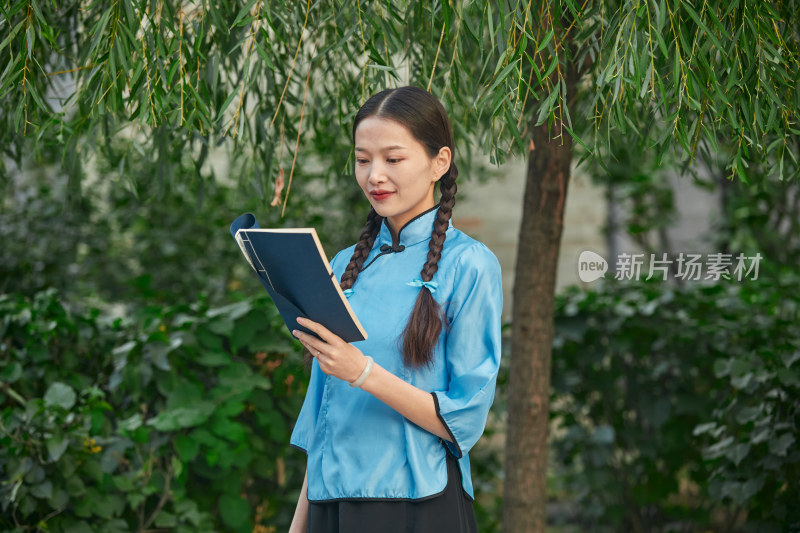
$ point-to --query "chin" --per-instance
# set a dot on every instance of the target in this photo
(383, 213)
(381, 210)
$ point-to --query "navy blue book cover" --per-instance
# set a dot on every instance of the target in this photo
(292, 266)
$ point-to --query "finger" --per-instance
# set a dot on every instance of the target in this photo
(319, 329)
(309, 341)
(313, 351)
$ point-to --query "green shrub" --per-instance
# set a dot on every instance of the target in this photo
(752, 434)
(678, 408)
(177, 418)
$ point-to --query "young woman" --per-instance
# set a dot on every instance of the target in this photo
(388, 422)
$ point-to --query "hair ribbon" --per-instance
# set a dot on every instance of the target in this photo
(430, 285)
(348, 293)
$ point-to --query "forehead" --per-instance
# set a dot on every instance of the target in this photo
(375, 134)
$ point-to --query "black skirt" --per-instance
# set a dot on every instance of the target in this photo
(449, 512)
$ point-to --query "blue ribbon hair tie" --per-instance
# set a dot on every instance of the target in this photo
(348, 293)
(430, 285)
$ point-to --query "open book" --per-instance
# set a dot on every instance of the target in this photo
(292, 266)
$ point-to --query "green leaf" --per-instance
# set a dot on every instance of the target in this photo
(135, 499)
(235, 510)
(221, 326)
(11, 35)
(43, 491)
(61, 395)
(124, 349)
(209, 340)
(56, 446)
(789, 358)
(225, 104)
(722, 367)
(131, 423)
(113, 454)
(546, 107)
(184, 393)
(11, 372)
(704, 428)
(123, 483)
(242, 18)
(29, 39)
(748, 414)
(182, 417)
(739, 452)
(117, 525)
(186, 447)
(547, 38)
(737, 491)
(188, 511)
(241, 378)
(79, 527)
(166, 520)
(780, 446)
(74, 486)
(213, 359)
(157, 353)
(231, 408)
(59, 499)
(233, 311)
(228, 429)
(177, 466)
(718, 449)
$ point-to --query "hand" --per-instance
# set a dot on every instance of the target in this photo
(336, 357)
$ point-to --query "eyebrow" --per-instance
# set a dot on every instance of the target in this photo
(393, 147)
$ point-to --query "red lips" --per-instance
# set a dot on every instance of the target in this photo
(380, 194)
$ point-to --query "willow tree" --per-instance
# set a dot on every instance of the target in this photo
(276, 84)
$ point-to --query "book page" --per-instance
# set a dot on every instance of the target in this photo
(240, 242)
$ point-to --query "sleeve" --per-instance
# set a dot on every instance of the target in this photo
(303, 433)
(472, 349)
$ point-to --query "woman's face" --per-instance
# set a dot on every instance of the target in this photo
(395, 171)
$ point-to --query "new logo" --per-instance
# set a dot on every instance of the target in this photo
(591, 266)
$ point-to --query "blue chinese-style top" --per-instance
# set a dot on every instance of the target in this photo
(360, 448)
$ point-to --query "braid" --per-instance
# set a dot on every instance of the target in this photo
(448, 188)
(362, 249)
(425, 323)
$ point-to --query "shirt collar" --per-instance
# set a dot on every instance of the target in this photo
(416, 230)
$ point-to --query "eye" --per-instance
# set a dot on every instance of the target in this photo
(393, 160)
(361, 161)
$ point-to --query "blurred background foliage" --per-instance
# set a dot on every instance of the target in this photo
(677, 408)
(170, 418)
(136, 239)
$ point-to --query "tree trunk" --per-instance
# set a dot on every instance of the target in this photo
(532, 328)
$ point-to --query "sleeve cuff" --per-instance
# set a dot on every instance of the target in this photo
(452, 447)
(295, 446)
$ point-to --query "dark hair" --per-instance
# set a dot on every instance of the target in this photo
(424, 116)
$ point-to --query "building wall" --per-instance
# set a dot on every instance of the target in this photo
(491, 212)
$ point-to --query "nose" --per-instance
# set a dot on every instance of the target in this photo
(376, 173)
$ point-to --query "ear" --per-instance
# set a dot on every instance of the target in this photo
(441, 162)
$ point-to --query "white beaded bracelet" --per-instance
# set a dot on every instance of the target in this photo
(364, 375)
